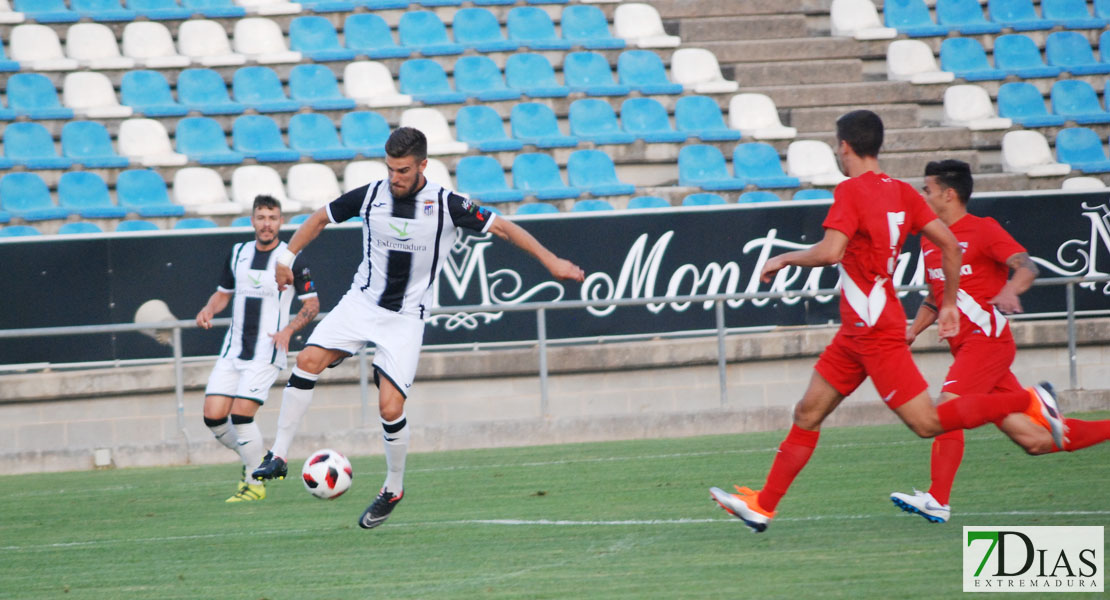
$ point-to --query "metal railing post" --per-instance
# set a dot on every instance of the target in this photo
(179, 381)
(541, 338)
(1072, 358)
(722, 377)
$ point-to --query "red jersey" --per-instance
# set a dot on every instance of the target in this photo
(983, 272)
(877, 213)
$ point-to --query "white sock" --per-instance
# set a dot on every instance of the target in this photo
(395, 434)
(250, 443)
(294, 404)
(222, 430)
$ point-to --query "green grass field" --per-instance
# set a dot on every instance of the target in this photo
(601, 520)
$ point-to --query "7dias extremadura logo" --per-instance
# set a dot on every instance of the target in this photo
(1033, 559)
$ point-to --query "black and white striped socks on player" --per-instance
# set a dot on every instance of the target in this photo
(395, 435)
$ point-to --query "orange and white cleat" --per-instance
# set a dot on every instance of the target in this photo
(743, 505)
(1044, 411)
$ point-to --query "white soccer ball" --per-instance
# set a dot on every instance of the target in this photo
(327, 474)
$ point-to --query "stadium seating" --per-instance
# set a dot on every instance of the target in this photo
(703, 166)
(913, 61)
(298, 219)
(361, 172)
(534, 208)
(757, 116)
(436, 171)
(312, 185)
(85, 194)
(316, 86)
(1017, 54)
(26, 196)
(700, 116)
(94, 46)
(316, 38)
(30, 145)
(6, 65)
(1082, 148)
(144, 191)
(589, 72)
(1018, 15)
(757, 196)
(535, 123)
(639, 25)
(481, 127)
(538, 175)
(205, 42)
(90, 94)
(1072, 14)
(911, 17)
(36, 47)
(213, 9)
(433, 125)
(646, 119)
(243, 221)
(1076, 100)
(159, 10)
(1083, 183)
(1102, 9)
(532, 28)
(1022, 102)
(365, 132)
(88, 143)
(32, 95)
(813, 162)
(858, 19)
(150, 44)
(148, 93)
(970, 106)
(593, 171)
(1027, 152)
(423, 31)
(591, 205)
(79, 227)
(758, 163)
(697, 70)
(146, 141)
(642, 202)
(258, 137)
(250, 181)
(314, 134)
(482, 178)
(703, 199)
(46, 11)
(477, 28)
(201, 191)
(533, 75)
(204, 90)
(586, 26)
(593, 120)
(19, 231)
(202, 139)
(9, 16)
(195, 223)
(259, 88)
(1071, 51)
(643, 71)
(368, 34)
(812, 194)
(371, 83)
(479, 77)
(966, 58)
(965, 16)
(426, 81)
(261, 40)
(270, 7)
(137, 224)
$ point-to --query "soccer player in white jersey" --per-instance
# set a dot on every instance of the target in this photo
(408, 226)
(254, 349)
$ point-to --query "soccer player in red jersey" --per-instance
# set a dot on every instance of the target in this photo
(870, 217)
(984, 348)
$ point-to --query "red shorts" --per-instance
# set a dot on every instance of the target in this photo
(847, 361)
(982, 366)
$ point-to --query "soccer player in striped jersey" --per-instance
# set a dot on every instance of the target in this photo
(255, 347)
(408, 227)
(995, 271)
(868, 222)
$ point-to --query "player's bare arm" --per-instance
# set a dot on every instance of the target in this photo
(308, 231)
(926, 316)
(827, 252)
(560, 268)
(310, 307)
(951, 259)
(1023, 271)
(216, 303)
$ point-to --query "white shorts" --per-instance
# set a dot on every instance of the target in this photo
(242, 379)
(355, 321)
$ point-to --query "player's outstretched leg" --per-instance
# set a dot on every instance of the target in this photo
(272, 467)
(380, 509)
(744, 505)
(1046, 412)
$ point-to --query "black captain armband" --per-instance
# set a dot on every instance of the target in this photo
(930, 306)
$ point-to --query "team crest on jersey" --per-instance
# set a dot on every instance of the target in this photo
(428, 206)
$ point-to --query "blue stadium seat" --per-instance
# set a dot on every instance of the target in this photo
(384, 4)
(368, 33)
(648, 202)
(589, 72)
(259, 137)
(758, 196)
(195, 223)
(1072, 51)
(7, 65)
(477, 28)
(298, 219)
(481, 127)
(136, 225)
(758, 163)
(1081, 148)
(30, 145)
(159, 10)
(703, 166)
(204, 90)
(1018, 15)
(26, 196)
(202, 139)
(532, 27)
(590, 205)
(593, 119)
(1076, 100)
(1104, 47)
(33, 95)
(1072, 14)
(103, 10)
(432, 3)
(646, 119)
(422, 30)
(243, 221)
(586, 26)
(538, 175)
(19, 231)
(314, 134)
(1022, 102)
(1102, 9)
(316, 86)
(643, 71)
(533, 74)
(965, 16)
(148, 93)
(259, 88)
(911, 17)
(966, 58)
(534, 123)
(365, 132)
(701, 116)
(1017, 54)
(329, 6)
(703, 199)
(536, 208)
(482, 178)
(813, 194)
(593, 170)
(144, 191)
(46, 11)
(86, 194)
(215, 9)
(5, 217)
(88, 143)
(316, 38)
(479, 77)
(426, 81)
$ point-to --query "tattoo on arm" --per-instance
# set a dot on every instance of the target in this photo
(1022, 259)
(308, 311)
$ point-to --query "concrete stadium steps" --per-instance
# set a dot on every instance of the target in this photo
(819, 119)
(694, 30)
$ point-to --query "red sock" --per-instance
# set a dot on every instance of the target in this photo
(948, 451)
(794, 453)
(1082, 434)
(972, 410)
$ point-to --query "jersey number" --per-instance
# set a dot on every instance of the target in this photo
(894, 220)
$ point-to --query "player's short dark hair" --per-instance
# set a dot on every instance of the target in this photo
(954, 174)
(407, 141)
(266, 201)
(862, 130)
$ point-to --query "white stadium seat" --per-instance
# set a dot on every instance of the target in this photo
(358, 173)
(270, 7)
(202, 192)
(858, 19)
(206, 43)
(249, 181)
(434, 126)
(146, 141)
(261, 40)
(698, 71)
(151, 45)
(640, 25)
(94, 46)
(437, 171)
(1083, 183)
(1026, 151)
(36, 48)
(370, 83)
(757, 116)
(9, 16)
(813, 162)
(312, 185)
(970, 106)
(90, 94)
(913, 61)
